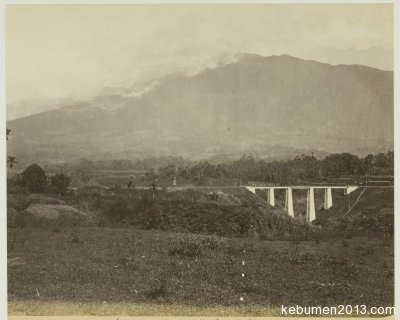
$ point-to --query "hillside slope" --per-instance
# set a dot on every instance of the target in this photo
(364, 210)
(253, 104)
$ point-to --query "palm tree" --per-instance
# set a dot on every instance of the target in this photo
(11, 161)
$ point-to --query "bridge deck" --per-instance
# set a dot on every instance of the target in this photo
(304, 187)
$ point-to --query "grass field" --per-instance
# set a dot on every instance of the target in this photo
(22, 308)
(117, 271)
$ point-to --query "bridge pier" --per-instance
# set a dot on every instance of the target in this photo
(328, 198)
(289, 202)
(310, 215)
(271, 197)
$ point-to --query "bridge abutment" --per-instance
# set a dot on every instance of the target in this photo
(251, 189)
(350, 189)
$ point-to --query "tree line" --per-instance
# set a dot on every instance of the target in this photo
(34, 179)
(301, 168)
(247, 168)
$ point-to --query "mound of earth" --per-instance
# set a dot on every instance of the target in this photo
(232, 212)
(57, 213)
(42, 199)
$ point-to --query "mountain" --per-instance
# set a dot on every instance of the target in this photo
(255, 104)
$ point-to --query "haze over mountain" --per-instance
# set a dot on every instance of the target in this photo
(270, 106)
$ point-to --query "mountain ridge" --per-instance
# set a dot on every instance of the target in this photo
(250, 104)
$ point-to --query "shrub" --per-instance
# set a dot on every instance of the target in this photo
(114, 209)
(186, 245)
(146, 202)
(14, 183)
(298, 257)
(153, 217)
(192, 245)
(212, 242)
(59, 183)
(34, 179)
(193, 195)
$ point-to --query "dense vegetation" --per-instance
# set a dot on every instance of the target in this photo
(291, 171)
(247, 168)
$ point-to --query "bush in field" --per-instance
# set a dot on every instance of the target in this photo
(213, 242)
(34, 179)
(192, 245)
(186, 245)
(14, 184)
(145, 203)
(152, 217)
(193, 195)
(60, 183)
(115, 209)
(142, 212)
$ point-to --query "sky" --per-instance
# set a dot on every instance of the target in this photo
(60, 52)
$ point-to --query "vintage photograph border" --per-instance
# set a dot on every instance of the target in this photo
(3, 174)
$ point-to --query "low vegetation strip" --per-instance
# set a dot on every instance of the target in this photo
(119, 265)
(73, 308)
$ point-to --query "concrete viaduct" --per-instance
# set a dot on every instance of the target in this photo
(310, 216)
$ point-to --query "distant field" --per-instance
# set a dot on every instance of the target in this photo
(88, 270)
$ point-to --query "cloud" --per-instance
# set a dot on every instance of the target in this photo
(76, 50)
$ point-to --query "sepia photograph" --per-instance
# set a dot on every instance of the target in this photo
(199, 159)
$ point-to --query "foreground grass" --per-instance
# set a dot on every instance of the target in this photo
(38, 308)
(115, 271)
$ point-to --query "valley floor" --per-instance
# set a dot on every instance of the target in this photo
(120, 271)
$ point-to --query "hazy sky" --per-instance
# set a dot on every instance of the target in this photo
(58, 51)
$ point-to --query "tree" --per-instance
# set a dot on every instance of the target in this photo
(34, 178)
(60, 183)
(7, 133)
(11, 161)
